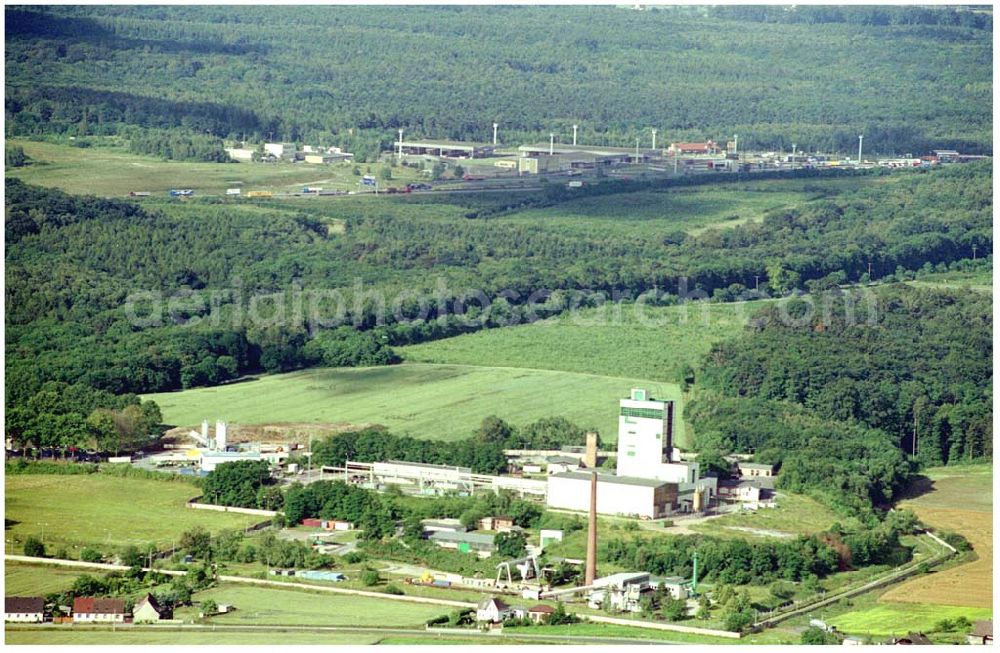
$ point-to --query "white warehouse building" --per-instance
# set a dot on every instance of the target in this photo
(616, 495)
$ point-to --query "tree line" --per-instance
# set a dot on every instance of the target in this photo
(850, 398)
(259, 73)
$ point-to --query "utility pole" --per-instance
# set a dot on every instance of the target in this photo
(736, 146)
(400, 144)
(574, 135)
(637, 149)
(756, 283)
(495, 125)
(861, 140)
(869, 271)
(973, 252)
(654, 138)
(793, 156)
(552, 143)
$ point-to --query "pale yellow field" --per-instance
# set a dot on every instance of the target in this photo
(971, 584)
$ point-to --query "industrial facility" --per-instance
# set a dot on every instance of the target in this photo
(650, 480)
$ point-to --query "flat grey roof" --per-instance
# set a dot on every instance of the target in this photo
(611, 478)
(448, 468)
(455, 145)
(471, 538)
(582, 149)
(756, 465)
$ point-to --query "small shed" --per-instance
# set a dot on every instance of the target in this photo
(540, 613)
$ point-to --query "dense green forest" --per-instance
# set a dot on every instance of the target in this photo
(849, 391)
(72, 262)
(911, 79)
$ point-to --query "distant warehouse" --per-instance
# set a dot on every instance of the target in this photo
(451, 149)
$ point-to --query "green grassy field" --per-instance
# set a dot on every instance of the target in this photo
(978, 280)
(33, 580)
(897, 619)
(114, 171)
(631, 340)
(691, 210)
(794, 514)
(104, 512)
(67, 635)
(426, 401)
(264, 605)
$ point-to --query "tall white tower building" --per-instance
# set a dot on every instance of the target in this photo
(646, 440)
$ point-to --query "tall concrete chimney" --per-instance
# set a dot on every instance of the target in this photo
(590, 571)
(590, 458)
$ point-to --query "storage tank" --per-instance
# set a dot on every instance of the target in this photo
(220, 436)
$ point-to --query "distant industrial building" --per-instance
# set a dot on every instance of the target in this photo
(240, 153)
(280, 150)
(450, 149)
(752, 470)
(479, 543)
(431, 479)
(707, 147)
(624, 591)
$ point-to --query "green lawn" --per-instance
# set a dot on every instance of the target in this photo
(35, 580)
(102, 511)
(635, 341)
(264, 605)
(794, 514)
(114, 171)
(426, 401)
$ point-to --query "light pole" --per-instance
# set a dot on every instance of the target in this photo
(973, 252)
(861, 140)
(400, 144)
(552, 143)
(793, 156)
(574, 134)
(654, 138)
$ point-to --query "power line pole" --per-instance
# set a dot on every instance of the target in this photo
(574, 135)
(973, 252)
(861, 140)
(552, 143)
(654, 138)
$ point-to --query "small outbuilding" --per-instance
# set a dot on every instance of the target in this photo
(540, 613)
